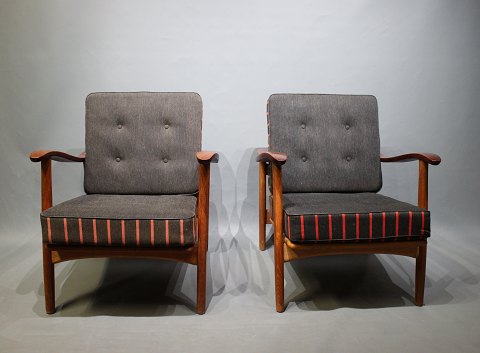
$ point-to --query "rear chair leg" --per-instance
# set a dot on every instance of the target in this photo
(48, 280)
(262, 231)
(261, 207)
(420, 270)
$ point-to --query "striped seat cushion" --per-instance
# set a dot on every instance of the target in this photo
(122, 220)
(330, 217)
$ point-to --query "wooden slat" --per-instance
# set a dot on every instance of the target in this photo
(295, 251)
(66, 253)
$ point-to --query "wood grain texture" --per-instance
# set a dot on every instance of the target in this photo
(207, 157)
(264, 155)
(430, 158)
(203, 217)
(278, 237)
(296, 251)
(48, 279)
(262, 207)
(269, 217)
(423, 184)
(41, 155)
(420, 273)
(46, 184)
(67, 253)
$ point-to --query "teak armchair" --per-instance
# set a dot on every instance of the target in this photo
(146, 182)
(324, 200)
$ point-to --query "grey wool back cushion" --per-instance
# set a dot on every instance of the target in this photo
(332, 142)
(142, 143)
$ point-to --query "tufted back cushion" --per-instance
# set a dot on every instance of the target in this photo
(332, 142)
(142, 143)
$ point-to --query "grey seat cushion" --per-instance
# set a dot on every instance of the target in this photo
(122, 220)
(332, 142)
(142, 143)
(327, 217)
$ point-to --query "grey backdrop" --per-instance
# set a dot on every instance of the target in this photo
(421, 59)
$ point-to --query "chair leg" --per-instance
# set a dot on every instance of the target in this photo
(420, 269)
(261, 207)
(201, 282)
(279, 274)
(48, 280)
(278, 238)
(262, 230)
(203, 197)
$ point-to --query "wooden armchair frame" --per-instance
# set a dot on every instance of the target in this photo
(285, 250)
(195, 255)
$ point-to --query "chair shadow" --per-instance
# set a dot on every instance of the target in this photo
(333, 282)
(358, 281)
(124, 287)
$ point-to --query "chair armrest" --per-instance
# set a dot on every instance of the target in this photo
(264, 155)
(424, 160)
(46, 157)
(207, 157)
(430, 158)
(43, 155)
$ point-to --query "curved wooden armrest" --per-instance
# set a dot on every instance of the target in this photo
(264, 155)
(206, 157)
(43, 155)
(430, 158)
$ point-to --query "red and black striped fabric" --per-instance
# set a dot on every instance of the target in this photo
(118, 232)
(352, 217)
(122, 220)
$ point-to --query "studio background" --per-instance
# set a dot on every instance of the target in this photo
(421, 59)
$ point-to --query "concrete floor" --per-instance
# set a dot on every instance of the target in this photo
(336, 304)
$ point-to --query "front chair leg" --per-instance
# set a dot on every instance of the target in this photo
(279, 274)
(420, 269)
(201, 282)
(203, 201)
(48, 280)
(278, 238)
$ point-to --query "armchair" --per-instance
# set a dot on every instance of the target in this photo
(146, 183)
(324, 166)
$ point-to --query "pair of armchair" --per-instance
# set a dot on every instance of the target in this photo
(147, 186)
